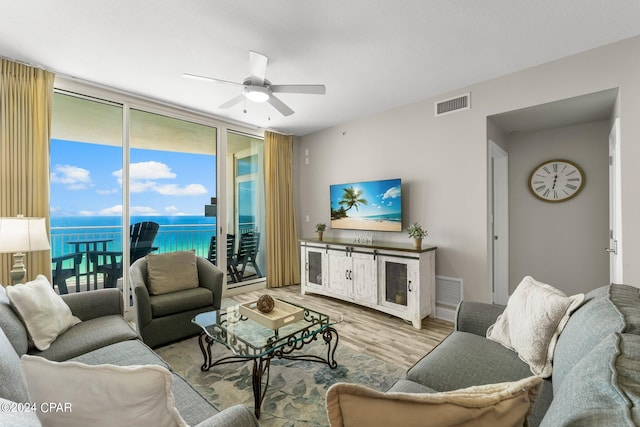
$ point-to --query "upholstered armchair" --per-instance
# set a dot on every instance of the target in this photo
(169, 290)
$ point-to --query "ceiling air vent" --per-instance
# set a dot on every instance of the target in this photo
(451, 105)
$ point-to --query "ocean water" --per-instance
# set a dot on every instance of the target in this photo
(175, 232)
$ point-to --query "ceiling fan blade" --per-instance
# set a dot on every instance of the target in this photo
(280, 106)
(209, 79)
(232, 102)
(258, 64)
(307, 89)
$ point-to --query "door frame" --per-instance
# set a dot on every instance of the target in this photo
(498, 215)
(615, 217)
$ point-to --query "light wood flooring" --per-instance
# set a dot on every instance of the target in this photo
(377, 334)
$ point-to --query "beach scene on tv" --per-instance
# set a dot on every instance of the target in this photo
(370, 205)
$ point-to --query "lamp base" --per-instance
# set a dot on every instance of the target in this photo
(18, 271)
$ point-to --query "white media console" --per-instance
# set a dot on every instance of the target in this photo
(393, 278)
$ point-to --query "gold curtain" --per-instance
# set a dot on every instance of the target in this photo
(283, 265)
(26, 97)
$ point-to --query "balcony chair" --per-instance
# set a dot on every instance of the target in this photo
(60, 273)
(247, 254)
(109, 263)
(169, 290)
(213, 255)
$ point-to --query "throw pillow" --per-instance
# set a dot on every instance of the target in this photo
(43, 312)
(171, 272)
(535, 315)
(499, 405)
(100, 395)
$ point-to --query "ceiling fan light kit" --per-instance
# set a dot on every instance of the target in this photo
(258, 89)
(257, 93)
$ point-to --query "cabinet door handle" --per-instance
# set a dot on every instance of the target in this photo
(346, 274)
(350, 275)
(409, 286)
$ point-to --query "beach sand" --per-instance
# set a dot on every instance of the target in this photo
(366, 224)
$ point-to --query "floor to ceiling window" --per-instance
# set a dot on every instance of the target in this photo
(246, 206)
(172, 178)
(86, 198)
(114, 165)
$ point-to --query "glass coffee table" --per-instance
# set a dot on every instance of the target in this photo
(251, 341)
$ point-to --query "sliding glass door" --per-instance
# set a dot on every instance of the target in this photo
(115, 165)
(86, 196)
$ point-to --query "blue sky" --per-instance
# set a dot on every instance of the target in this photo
(86, 181)
(383, 197)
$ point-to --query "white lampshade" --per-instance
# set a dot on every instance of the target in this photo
(19, 234)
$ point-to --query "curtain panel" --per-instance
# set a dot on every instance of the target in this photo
(283, 265)
(26, 98)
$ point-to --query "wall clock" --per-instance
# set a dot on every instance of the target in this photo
(556, 180)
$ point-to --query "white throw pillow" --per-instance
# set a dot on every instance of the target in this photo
(100, 395)
(535, 315)
(43, 312)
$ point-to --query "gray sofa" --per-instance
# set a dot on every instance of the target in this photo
(596, 364)
(103, 337)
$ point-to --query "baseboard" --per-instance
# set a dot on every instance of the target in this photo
(445, 313)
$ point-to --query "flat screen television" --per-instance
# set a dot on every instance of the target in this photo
(369, 205)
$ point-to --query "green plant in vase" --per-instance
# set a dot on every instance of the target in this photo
(417, 233)
(320, 227)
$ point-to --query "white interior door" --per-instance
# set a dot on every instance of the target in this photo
(615, 233)
(499, 217)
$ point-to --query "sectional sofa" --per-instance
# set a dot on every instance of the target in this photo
(595, 379)
(102, 337)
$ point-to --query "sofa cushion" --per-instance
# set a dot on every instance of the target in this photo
(178, 302)
(615, 307)
(452, 365)
(132, 352)
(101, 395)
(171, 272)
(11, 385)
(87, 336)
(12, 325)
(506, 404)
(408, 386)
(43, 312)
(597, 390)
(536, 313)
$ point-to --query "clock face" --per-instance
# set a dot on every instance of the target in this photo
(556, 180)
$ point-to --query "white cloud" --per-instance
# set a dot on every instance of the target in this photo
(113, 210)
(107, 192)
(74, 177)
(143, 210)
(143, 176)
(147, 171)
(176, 190)
(391, 193)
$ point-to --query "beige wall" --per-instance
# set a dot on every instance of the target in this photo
(443, 161)
(560, 243)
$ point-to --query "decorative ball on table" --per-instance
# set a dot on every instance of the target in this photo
(265, 304)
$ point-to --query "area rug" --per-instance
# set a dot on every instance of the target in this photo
(297, 389)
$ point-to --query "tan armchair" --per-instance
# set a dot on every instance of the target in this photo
(166, 317)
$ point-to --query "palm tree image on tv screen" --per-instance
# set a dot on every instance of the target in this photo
(369, 205)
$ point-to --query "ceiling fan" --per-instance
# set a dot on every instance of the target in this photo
(257, 88)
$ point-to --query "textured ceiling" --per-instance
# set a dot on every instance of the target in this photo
(372, 55)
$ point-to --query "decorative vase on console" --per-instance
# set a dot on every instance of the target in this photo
(416, 232)
(320, 227)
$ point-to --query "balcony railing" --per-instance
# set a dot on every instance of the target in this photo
(170, 238)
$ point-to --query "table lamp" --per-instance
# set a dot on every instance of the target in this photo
(19, 235)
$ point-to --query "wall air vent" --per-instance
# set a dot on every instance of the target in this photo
(448, 291)
(452, 105)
